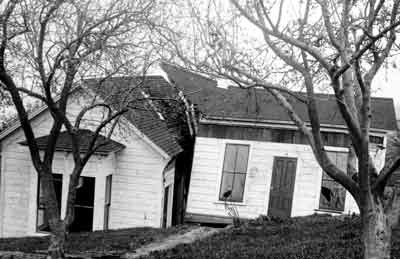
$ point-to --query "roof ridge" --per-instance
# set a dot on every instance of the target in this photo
(299, 92)
(186, 70)
(124, 77)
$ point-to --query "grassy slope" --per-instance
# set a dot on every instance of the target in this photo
(311, 237)
(118, 241)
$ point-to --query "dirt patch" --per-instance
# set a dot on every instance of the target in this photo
(172, 241)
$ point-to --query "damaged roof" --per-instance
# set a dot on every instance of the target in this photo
(120, 91)
(141, 114)
(257, 105)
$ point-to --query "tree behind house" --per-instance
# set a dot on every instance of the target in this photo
(46, 49)
(283, 46)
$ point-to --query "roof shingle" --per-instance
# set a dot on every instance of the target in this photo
(85, 136)
(120, 91)
(257, 104)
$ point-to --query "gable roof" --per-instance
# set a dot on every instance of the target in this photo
(144, 118)
(64, 142)
(117, 91)
(257, 105)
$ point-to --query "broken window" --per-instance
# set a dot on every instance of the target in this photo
(234, 173)
(333, 195)
(42, 220)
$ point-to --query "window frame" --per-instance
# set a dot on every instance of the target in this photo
(333, 210)
(221, 171)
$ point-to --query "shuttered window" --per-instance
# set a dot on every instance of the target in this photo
(234, 173)
(333, 195)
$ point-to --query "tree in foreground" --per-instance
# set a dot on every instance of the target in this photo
(46, 49)
(283, 46)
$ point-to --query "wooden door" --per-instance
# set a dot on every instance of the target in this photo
(282, 187)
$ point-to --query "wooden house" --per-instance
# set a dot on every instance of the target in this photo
(249, 155)
(130, 182)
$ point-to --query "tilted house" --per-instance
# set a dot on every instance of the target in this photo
(248, 154)
(127, 183)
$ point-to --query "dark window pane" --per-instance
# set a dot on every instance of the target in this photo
(376, 140)
(275, 135)
(287, 136)
(332, 196)
(226, 185)
(85, 192)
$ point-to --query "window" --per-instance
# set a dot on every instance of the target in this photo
(234, 173)
(282, 135)
(107, 201)
(332, 196)
(335, 139)
(42, 223)
(376, 140)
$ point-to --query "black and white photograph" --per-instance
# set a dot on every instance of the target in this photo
(215, 129)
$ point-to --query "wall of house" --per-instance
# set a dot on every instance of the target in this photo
(137, 183)
(137, 186)
(207, 171)
(16, 178)
(98, 167)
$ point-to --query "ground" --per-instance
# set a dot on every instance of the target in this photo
(312, 237)
(96, 243)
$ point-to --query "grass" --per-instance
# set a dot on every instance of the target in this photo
(311, 237)
(97, 242)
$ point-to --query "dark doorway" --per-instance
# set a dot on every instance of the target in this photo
(165, 210)
(84, 205)
(282, 187)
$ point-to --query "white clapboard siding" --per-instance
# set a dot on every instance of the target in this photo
(137, 183)
(207, 169)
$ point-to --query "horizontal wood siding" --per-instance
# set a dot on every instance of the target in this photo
(206, 176)
(136, 198)
(137, 182)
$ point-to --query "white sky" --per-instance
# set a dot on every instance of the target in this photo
(387, 84)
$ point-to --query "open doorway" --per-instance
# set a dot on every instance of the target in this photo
(84, 205)
(167, 210)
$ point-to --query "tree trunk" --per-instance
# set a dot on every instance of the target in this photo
(377, 232)
(57, 242)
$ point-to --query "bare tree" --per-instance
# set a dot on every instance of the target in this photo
(285, 45)
(46, 49)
